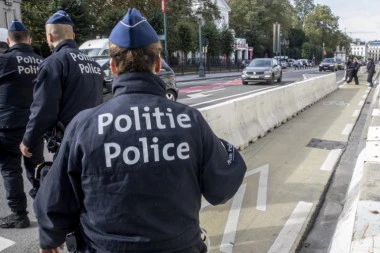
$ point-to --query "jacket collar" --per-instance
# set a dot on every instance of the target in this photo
(138, 82)
(20, 47)
(65, 44)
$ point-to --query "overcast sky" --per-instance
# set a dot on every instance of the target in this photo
(359, 18)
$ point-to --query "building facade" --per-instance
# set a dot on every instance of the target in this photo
(9, 9)
(374, 50)
(359, 48)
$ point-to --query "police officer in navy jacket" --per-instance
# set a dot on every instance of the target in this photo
(130, 174)
(68, 82)
(18, 69)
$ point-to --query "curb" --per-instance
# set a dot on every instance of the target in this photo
(195, 78)
(358, 228)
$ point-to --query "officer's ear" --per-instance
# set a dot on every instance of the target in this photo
(50, 38)
(113, 66)
(8, 41)
(157, 65)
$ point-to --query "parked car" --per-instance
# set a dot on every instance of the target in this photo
(245, 63)
(166, 74)
(97, 47)
(328, 64)
(262, 69)
(291, 62)
(284, 63)
(3, 40)
(340, 63)
(305, 63)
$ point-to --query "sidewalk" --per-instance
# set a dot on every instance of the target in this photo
(358, 229)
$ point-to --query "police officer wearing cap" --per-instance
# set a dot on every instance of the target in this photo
(18, 69)
(133, 170)
(68, 82)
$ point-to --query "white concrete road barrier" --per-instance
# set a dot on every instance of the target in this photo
(244, 120)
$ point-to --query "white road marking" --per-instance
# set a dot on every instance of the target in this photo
(197, 95)
(204, 204)
(5, 243)
(375, 113)
(356, 113)
(347, 130)
(331, 160)
(341, 241)
(213, 90)
(236, 95)
(228, 240)
(293, 226)
(261, 203)
(361, 103)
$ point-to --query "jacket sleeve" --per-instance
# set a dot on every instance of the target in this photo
(223, 168)
(46, 100)
(58, 203)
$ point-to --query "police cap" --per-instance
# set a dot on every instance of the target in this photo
(17, 25)
(133, 31)
(60, 17)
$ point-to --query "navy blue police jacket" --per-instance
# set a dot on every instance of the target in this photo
(18, 69)
(68, 82)
(132, 173)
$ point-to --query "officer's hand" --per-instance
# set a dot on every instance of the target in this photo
(25, 150)
(49, 250)
(56, 250)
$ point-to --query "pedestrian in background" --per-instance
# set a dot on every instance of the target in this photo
(18, 69)
(353, 71)
(370, 71)
(68, 82)
(347, 72)
(133, 170)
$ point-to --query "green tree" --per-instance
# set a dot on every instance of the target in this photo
(302, 8)
(226, 43)
(321, 26)
(186, 38)
(211, 33)
(307, 50)
(254, 19)
(35, 13)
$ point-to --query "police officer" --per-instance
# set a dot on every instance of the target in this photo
(68, 82)
(133, 170)
(18, 69)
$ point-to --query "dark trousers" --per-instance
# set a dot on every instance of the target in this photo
(11, 170)
(369, 78)
(353, 75)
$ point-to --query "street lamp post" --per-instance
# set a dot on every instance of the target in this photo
(200, 23)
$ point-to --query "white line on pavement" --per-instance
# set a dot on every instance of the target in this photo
(356, 113)
(341, 242)
(263, 186)
(331, 160)
(228, 240)
(293, 226)
(5, 243)
(347, 130)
